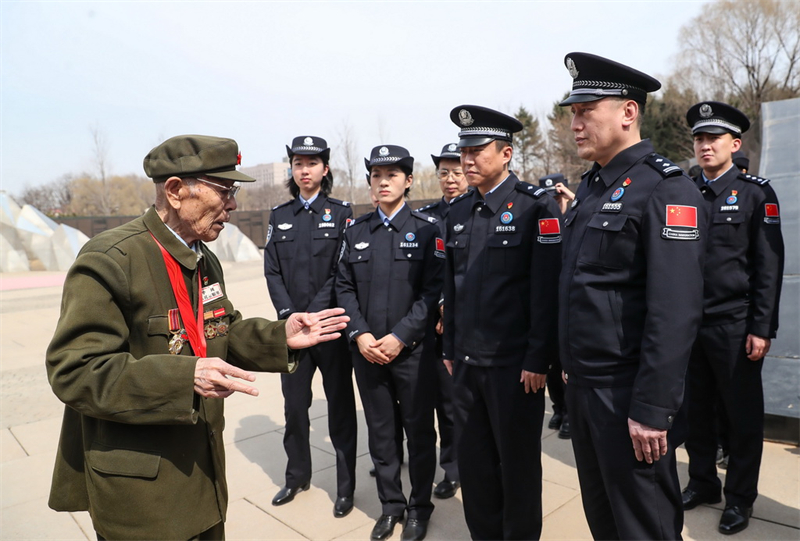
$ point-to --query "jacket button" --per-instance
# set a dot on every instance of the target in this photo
(283, 237)
(466, 358)
(729, 218)
(669, 419)
(409, 255)
(605, 224)
(505, 242)
(359, 257)
(326, 234)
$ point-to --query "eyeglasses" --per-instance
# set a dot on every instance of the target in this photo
(443, 174)
(227, 192)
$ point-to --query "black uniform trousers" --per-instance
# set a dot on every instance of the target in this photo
(499, 430)
(719, 368)
(623, 498)
(410, 381)
(333, 361)
(556, 388)
(444, 416)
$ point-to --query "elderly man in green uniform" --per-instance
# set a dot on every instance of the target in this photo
(147, 346)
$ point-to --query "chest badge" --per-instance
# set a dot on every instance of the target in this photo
(327, 216)
(510, 204)
(506, 218)
(732, 199)
(458, 228)
(618, 193)
(410, 236)
(284, 227)
(362, 246)
(626, 182)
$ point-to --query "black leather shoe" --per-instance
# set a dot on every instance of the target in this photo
(342, 506)
(563, 432)
(372, 472)
(555, 421)
(384, 527)
(446, 489)
(286, 494)
(734, 519)
(415, 530)
(692, 499)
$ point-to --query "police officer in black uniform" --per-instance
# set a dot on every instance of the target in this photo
(630, 301)
(453, 183)
(743, 272)
(503, 257)
(300, 258)
(389, 281)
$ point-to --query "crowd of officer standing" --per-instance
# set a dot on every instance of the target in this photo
(453, 308)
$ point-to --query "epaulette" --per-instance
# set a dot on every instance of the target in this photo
(461, 197)
(428, 207)
(424, 217)
(753, 178)
(339, 202)
(289, 202)
(363, 218)
(663, 165)
(530, 189)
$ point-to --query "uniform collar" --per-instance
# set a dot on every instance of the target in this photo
(497, 197)
(316, 205)
(722, 182)
(624, 161)
(177, 249)
(398, 220)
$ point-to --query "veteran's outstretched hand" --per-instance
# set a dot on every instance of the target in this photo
(305, 329)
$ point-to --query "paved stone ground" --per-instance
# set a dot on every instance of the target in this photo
(30, 418)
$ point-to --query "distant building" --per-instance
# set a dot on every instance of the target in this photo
(273, 174)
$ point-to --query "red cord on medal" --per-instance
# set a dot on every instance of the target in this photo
(197, 337)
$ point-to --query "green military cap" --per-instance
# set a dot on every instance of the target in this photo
(187, 155)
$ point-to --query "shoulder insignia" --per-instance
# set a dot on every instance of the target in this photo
(530, 189)
(289, 202)
(362, 218)
(339, 202)
(461, 197)
(419, 215)
(663, 165)
(427, 207)
(753, 178)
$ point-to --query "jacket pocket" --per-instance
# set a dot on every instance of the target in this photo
(608, 242)
(125, 462)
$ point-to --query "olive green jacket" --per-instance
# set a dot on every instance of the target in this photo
(139, 449)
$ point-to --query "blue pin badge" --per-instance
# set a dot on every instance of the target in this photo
(506, 218)
(731, 200)
(618, 193)
(327, 216)
(410, 236)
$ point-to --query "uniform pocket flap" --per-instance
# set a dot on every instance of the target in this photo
(358, 256)
(325, 234)
(503, 241)
(283, 236)
(458, 241)
(732, 218)
(608, 222)
(157, 326)
(127, 462)
(409, 254)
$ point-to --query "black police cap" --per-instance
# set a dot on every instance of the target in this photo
(449, 152)
(309, 145)
(549, 182)
(741, 160)
(390, 155)
(718, 118)
(481, 125)
(595, 78)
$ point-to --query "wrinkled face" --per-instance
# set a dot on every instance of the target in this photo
(205, 209)
(714, 152)
(451, 178)
(597, 126)
(388, 184)
(307, 172)
(484, 166)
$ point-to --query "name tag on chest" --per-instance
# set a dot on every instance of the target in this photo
(212, 293)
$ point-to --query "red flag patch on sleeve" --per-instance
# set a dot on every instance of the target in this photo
(549, 226)
(439, 244)
(681, 216)
(771, 210)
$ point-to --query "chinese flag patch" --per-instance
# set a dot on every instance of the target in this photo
(681, 216)
(771, 210)
(549, 226)
(439, 244)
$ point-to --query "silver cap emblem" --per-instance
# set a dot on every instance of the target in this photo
(452, 147)
(548, 182)
(465, 118)
(308, 141)
(571, 68)
(705, 110)
(383, 151)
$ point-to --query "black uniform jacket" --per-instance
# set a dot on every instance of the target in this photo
(503, 260)
(301, 251)
(744, 259)
(631, 287)
(389, 281)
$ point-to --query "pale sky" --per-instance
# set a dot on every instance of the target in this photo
(265, 72)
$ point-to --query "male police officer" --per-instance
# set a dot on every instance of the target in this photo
(144, 314)
(453, 183)
(629, 306)
(743, 271)
(503, 257)
(300, 263)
